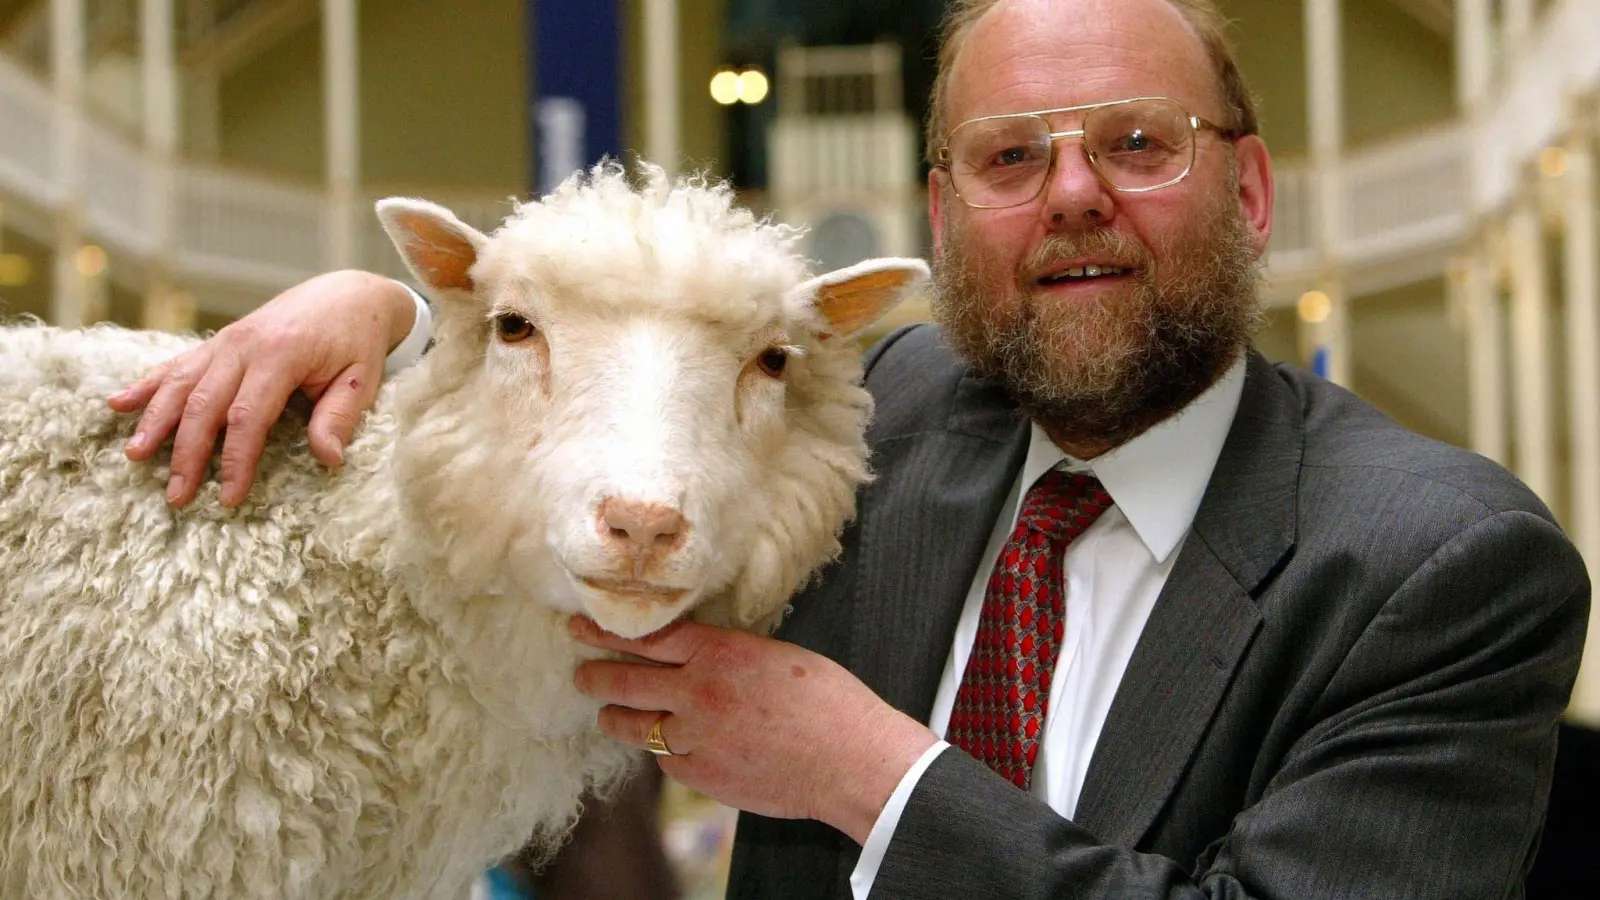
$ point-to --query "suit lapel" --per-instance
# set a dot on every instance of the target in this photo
(924, 525)
(1205, 618)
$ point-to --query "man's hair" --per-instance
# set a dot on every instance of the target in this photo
(1202, 15)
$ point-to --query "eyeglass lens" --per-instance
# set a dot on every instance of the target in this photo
(1134, 146)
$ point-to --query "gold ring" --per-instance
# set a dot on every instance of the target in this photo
(654, 742)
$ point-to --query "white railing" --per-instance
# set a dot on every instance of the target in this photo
(842, 154)
(117, 189)
(234, 227)
(27, 135)
(1405, 198)
(1293, 249)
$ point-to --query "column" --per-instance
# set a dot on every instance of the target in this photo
(1326, 336)
(1582, 281)
(1474, 44)
(661, 131)
(1473, 291)
(1581, 249)
(342, 108)
(70, 300)
(1517, 23)
(159, 75)
(1530, 350)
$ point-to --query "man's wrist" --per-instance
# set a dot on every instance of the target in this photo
(876, 774)
(401, 302)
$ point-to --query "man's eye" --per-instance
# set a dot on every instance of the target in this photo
(1011, 156)
(1134, 142)
(512, 327)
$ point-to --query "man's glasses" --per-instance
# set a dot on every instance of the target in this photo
(1137, 145)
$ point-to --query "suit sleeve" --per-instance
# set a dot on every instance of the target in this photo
(1425, 773)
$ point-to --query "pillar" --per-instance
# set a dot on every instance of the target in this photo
(1474, 292)
(1530, 342)
(159, 75)
(342, 108)
(1326, 337)
(70, 301)
(662, 144)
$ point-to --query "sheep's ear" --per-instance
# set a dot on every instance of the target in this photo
(851, 299)
(438, 247)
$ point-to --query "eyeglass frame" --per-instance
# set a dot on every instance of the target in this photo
(1196, 125)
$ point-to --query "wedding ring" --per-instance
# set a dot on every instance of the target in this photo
(654, 742)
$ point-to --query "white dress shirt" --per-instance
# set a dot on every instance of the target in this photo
(410, 350)
(1114, 572)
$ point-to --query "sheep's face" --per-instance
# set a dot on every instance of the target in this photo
(639, 405)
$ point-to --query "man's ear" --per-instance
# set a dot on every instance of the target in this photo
(438, 248)
(1255, 190)
(850, 299)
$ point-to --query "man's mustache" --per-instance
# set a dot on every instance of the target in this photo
(1105, 246)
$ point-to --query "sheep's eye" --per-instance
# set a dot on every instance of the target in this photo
(773, 361)
(512, 327)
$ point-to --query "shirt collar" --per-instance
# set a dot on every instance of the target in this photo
(1158, 478)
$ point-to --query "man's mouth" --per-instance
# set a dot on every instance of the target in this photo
(1078, 274)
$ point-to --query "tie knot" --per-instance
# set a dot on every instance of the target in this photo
(1062, 504)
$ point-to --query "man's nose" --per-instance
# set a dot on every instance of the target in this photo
(1074, 193)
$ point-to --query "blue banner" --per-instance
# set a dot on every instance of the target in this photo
(577, 78)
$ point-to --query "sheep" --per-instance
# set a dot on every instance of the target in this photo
(358, 684)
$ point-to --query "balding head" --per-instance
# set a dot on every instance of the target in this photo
(1205, 25)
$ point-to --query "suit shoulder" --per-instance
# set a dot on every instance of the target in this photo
(913, 377)
(1350, 440)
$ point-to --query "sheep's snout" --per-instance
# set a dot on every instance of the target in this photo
(642, 533)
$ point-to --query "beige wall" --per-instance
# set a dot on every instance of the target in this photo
(1409, 359)
(1398, 74)
(443, 97)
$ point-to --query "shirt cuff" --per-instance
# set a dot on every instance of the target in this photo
(411, 349)
(872, 852)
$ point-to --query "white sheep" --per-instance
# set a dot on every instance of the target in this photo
(358, 685)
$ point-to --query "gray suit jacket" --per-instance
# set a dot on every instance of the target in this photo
(1349, 686)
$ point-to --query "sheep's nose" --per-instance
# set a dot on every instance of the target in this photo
(641, 530)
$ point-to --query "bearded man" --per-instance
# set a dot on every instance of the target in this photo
(1128, 612)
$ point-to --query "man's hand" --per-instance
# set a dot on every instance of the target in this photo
(757, 724)
(326, 337)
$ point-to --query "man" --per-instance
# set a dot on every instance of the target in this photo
(1191, 625)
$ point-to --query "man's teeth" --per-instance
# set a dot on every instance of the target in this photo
(1088, 272)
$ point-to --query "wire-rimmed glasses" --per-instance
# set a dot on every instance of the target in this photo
(1136, 145)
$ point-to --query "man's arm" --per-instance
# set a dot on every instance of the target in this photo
(326, 337)
(1427, 776)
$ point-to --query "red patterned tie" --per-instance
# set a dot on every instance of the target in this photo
(1000, 707)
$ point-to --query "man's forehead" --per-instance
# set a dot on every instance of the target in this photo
(1024, 55)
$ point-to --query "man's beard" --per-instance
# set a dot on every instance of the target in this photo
(1098, 373)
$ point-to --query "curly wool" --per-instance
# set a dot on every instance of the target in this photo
(305, 697)
(215, 703)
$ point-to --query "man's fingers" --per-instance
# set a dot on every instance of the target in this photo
(260, 401)
(204, 414)
(339, 410)
(136, 395)
(673, 645)
(632, 727)
(631, 684)
(169, 386)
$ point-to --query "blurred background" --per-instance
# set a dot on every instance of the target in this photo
(174, 163)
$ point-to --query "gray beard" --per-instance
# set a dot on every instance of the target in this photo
(1098, 375)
